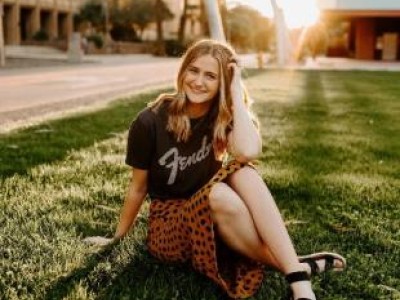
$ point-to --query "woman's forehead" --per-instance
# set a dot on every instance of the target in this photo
(206, 62)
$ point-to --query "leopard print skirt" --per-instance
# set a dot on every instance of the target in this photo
(182, 230)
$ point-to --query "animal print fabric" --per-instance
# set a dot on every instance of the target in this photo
(182, 230)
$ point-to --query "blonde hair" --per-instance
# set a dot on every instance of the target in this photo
(178, 119)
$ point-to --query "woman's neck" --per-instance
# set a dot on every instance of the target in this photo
(195, 110)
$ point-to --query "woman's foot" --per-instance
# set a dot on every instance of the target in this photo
(321, 262)
(300, 286)
(302, 290)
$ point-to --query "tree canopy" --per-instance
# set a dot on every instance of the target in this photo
(140, 14)
(247, 29)
(92, 12)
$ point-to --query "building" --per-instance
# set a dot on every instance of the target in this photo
(24, 18)
(363, 29)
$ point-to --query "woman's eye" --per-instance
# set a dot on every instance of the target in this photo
(193, 70)
(211, 76)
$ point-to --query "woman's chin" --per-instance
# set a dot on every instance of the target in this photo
(198, 100)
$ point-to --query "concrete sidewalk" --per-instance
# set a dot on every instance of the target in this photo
(35, 94)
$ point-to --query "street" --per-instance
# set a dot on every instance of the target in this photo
(31, 92)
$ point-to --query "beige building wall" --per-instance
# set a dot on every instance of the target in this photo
(24, 18)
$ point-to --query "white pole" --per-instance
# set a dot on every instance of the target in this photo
(214, 20)
(282, 40)
(2, 50)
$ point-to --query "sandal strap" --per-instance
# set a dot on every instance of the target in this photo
(312, 262)
(329, 263)
(313, 265)
(297, 276)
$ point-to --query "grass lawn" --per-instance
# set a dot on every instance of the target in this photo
(331, 159)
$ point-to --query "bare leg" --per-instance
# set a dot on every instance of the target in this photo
(266, 216)
(269, 224)
(236, 226)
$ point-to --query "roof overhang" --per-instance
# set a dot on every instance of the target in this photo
(361, 13)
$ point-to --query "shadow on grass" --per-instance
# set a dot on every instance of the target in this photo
(142, 277)
(65, 284)
(147, 278)
(51, 141)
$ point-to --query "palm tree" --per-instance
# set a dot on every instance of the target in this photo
(182, 22)
(160, 50)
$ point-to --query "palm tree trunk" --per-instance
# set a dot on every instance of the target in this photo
(160, 33)
(182, 23)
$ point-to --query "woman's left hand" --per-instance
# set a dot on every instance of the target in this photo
(99, 240)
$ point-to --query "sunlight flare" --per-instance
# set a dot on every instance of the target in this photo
(300, 13)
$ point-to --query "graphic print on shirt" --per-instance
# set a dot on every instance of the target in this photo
(173, 161)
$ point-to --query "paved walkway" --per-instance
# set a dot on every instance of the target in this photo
(32, 94)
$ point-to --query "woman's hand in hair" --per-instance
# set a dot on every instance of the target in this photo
(236, 84)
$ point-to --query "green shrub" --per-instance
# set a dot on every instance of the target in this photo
(41, 36)
(124, 33)
(174, 48)
(97, 40)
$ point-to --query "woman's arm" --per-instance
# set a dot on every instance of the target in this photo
(244, 141)
(135, 195)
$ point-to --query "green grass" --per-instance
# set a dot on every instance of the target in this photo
(331, 159)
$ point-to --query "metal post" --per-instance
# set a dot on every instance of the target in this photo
(282, 39)
(2, 49)
(107, 36)
(214, 20)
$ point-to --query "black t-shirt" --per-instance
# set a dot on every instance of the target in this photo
(176, 170)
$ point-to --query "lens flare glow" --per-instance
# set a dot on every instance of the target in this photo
(298, 13)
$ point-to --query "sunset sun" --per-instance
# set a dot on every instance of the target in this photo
(298, 14)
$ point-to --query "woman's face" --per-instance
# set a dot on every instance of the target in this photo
(201, 79)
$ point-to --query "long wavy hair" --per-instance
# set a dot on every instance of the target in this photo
(178, 119)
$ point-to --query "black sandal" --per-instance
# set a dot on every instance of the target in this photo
(294, 277)
(329, 259)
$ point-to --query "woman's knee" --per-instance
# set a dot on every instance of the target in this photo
(246, 175)
(224, 200)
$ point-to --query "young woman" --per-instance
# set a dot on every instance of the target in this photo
(221, 217)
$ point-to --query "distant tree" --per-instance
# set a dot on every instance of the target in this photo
(182, 22)
(92, 12)
(315, 41)
(263, 34)
(247, 29)
(162, 13)
(140, 14)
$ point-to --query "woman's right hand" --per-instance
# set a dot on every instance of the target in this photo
(99, 240)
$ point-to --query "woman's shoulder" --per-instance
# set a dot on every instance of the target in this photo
(146, 115)
(151, 115)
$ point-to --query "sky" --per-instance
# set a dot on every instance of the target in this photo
(297, 13)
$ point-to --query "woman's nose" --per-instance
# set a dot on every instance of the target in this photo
(199, 80)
